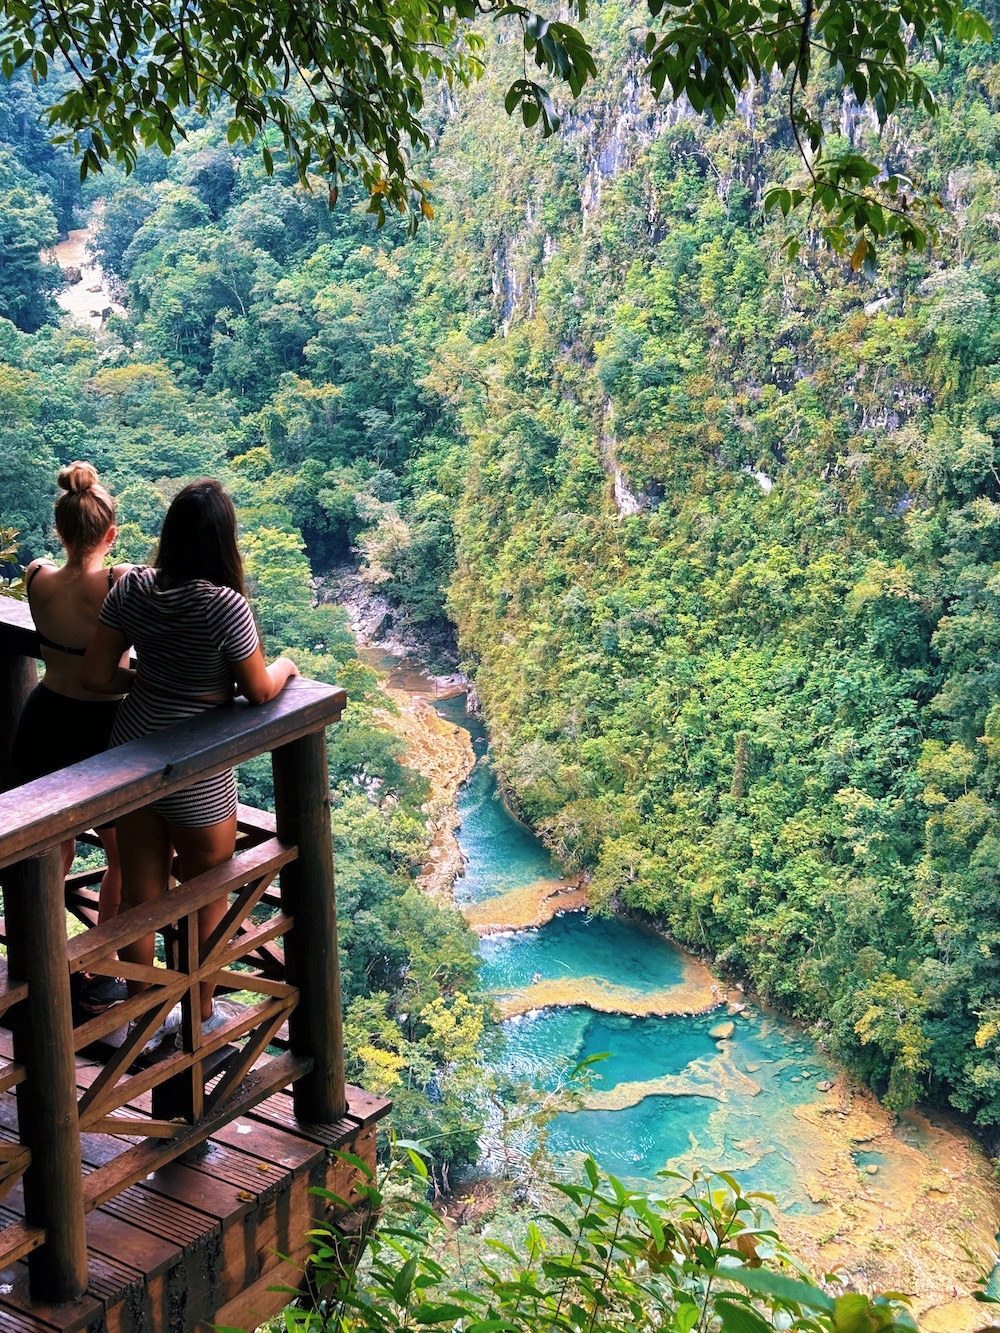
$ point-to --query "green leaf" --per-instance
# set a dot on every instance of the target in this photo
(739, 1318)
(686, 1316)
(762, 1283)
(403, 1281)
(440, 1314)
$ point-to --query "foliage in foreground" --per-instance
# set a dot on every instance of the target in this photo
(343, 85)
(698, 1257)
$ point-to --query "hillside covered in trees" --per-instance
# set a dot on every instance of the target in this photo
(717, 532)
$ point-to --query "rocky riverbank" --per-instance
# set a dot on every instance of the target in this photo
(443, 754)
(377, 624)
(87, 296)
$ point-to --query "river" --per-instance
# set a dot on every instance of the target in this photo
(692, 1081)
(87, 300)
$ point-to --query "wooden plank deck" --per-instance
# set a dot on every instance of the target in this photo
(199, 1241)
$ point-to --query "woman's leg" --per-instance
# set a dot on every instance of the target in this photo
(145, 854)
(111, 882)
(201, 849)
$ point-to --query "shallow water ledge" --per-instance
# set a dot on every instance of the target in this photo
(911, 1224)
(715, 1078)
(525, 907)
(696, 993)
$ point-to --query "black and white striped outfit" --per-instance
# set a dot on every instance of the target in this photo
(186, 639)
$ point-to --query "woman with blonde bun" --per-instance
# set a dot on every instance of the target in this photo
(62, 722)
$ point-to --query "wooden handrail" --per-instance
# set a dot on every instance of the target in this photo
(17, 629)
(39, 815)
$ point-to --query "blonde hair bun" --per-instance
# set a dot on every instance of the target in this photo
(85, 511)
(76, 477)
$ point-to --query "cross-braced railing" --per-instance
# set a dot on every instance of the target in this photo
(276, 945)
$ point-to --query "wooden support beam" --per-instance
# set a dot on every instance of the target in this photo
(46, 1099)
(302, 807)
(107, 938)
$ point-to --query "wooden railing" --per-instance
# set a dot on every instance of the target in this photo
(280, 946)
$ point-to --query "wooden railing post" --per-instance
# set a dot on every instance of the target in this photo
(46, 1100)
(302, 807)
(18, 678)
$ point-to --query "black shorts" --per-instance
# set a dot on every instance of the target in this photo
(54, 731)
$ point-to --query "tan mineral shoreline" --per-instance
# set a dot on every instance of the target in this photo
(694, 995)
(908, 1226)
(522, 908)
(442, 752)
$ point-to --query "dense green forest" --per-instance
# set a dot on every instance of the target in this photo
(717, 531)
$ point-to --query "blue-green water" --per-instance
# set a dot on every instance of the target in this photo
(578, 945)
(716, 1104)
(733, 1104)
(500, 853)
(542, 1044)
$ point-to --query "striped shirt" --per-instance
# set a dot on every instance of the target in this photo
(186, 638)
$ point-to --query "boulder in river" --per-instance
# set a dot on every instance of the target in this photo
(72, 276)
(824, 1085)
(722, 1031)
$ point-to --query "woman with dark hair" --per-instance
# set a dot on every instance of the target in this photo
(64, 722)
(196, 645)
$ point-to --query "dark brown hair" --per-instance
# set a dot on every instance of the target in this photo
(198, 539)
(86, 511)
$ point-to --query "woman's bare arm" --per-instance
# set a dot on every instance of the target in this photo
(259, 682)
(101, 673)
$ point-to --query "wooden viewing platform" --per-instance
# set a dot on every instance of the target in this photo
(170, 1192)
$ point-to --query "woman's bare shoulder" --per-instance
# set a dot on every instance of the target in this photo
(36, 567)
(119, 571)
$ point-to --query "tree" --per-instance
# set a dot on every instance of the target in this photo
(344, 82)
(27, 225)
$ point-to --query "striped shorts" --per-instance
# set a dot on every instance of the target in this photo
(207, 802)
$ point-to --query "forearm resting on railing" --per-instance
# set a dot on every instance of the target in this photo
(259, 683)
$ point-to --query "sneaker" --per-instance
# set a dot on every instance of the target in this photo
(100, 993)
(167, 1028)
(217, 1018)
